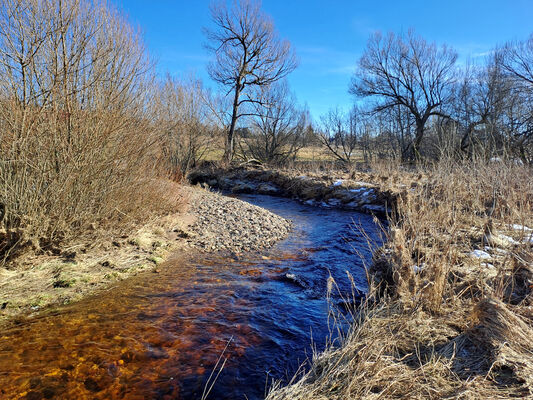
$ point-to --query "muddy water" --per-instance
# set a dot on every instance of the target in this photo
(158, 336)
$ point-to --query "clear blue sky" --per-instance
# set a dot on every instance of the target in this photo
(330, 35)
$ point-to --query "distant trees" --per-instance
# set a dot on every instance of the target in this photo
(340, 132)
(406, 72)
(249, 56)
(277, 130)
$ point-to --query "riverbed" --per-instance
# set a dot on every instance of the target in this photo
(159, 335)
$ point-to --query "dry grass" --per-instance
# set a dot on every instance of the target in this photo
(443, 323)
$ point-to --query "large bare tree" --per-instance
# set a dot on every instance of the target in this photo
(248, 55)
(409, 72)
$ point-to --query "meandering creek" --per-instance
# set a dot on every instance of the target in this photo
(158, 336)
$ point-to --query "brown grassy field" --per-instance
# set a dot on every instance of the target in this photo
(450, 312)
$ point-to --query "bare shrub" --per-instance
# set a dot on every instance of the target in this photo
(74, 134)
(186, 123)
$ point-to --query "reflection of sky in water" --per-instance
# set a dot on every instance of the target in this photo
(159, 335)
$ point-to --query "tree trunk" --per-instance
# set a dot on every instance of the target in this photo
(411, 152)
(230, 138)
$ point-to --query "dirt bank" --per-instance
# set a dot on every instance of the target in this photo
(352, 190)
(210, 222)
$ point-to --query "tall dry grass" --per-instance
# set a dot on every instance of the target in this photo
(441, 323)
(76, 131)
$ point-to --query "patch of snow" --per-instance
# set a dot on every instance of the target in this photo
(338, 182)
(418, 268)
(518, 227)
(310, 202)
(363, 183)
(358, 190)
(483, 255)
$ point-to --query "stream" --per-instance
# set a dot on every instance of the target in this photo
(159, 336)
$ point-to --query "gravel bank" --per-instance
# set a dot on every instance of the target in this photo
(224, 223)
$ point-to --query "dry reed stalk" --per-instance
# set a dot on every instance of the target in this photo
(448, 325)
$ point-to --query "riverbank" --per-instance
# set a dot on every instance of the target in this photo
(450, 313)
(368, 192)
(207, 222)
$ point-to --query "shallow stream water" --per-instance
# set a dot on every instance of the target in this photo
(158, 336)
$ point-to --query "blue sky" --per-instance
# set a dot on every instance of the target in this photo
(330, 35)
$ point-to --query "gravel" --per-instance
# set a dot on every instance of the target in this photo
(224, 223)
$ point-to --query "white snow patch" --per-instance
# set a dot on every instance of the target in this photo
(418, 268)
(483, 255)
(338, 182)
(518, 227)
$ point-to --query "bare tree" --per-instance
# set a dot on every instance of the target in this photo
(339, 132)
(277, 130)
(480, 100)
(248, 54)
(516, 58)
(406, 71)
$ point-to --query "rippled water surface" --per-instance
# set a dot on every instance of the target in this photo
(158, 336)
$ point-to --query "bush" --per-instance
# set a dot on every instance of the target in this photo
(75, 137)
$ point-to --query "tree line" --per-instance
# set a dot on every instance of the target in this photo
(413, 100)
